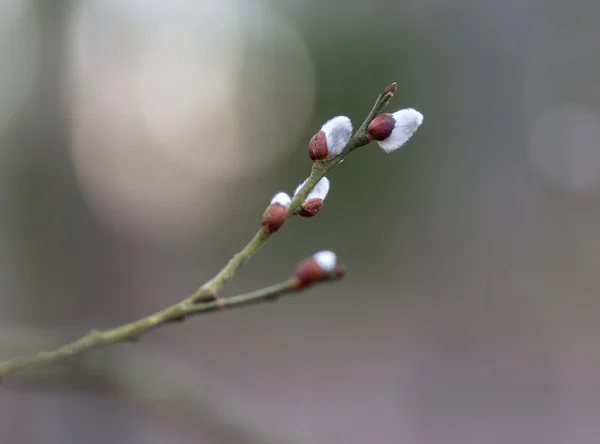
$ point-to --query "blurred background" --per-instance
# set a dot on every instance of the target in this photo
(141, 140)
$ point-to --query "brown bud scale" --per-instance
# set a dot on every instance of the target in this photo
(311, 207)
(308, 272)
(317, 147)
(274, 217)
(381, 127)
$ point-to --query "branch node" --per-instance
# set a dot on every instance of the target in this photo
(134, 336)
(205, 296)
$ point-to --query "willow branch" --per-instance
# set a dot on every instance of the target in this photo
(204, 299)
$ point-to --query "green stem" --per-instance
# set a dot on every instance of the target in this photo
(210, 289)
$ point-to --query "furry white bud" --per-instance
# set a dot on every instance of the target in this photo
(314, 201)
(282, 199)
(319, 191)
(338, 132)
(327, 260)
(391, 131)
(331, 139)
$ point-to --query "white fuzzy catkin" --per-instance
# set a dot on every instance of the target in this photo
(319, 191)
(282, 199)
(338, 132)
(326, 260)
(407, 122)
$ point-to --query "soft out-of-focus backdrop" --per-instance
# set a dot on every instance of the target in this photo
(141, 140)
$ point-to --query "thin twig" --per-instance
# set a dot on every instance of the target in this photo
(134, 330)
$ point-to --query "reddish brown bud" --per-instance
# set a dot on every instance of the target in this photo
(381, 127)
(315, 268)
(307, 272)
(274, 217)
(311, 207)
(317, 147)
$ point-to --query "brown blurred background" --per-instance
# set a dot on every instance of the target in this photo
(141, 140)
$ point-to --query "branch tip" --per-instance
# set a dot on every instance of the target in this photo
(387, 95)
(390, 90)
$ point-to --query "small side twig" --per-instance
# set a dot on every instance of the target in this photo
(134, 330)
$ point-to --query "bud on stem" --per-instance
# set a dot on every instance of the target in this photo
(331, 140)
(311, 207)
(315, 268)
(314, 201)
(276, 213)
(391, 131)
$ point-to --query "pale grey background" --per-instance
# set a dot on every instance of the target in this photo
(140, 142)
